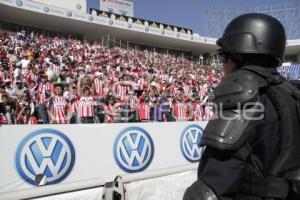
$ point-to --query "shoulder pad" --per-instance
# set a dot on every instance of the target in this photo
(228, 132)
(239, 87)
(236, 104)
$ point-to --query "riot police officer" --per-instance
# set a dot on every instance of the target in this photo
(253, 140)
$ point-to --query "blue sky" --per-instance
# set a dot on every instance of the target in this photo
(187, 13)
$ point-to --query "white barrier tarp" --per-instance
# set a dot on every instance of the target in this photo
(170, 187)
(70, 153)
(89, 194)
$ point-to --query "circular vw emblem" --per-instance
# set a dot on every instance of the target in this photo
(189, 143)
(91, 18)
(46, 9)
(19, 3)
(133, 149)
(47, 152)
(69, 14)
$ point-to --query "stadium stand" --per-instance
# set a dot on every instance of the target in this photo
(290, 72)
(99, 84)
(121, 85)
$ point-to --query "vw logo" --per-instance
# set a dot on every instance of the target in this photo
(189, 143)
(133, 149)
(91, 18)
(47, 152)
(69, 14)
(19, 3)
(46, 9)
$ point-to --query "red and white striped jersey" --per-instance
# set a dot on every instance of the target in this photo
(3, 119)
(142, 83)
(210, 78)
(99, 87)
(85, 107)
(161, 87)
(2, 76)
(110, 110)
(112, 77)
(32, 77)
(32, 120)
(42, 91)
(136, 85)
(56, 69)
(144, 111)
(60, 108)
(198, 112)
(121, 91)
(24, 73)
(73, 106)
(208, 113)
(170, 100)
(181, 111)
(42, 98)
(187, 90)
(43, 87)
(133, 101)
(202, 91)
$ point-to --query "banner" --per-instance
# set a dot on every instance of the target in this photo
(121, 7)
(79, 5)
(68, 153)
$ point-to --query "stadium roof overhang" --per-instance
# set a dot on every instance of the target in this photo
(94, 31)
(293, 47)
(10, 12)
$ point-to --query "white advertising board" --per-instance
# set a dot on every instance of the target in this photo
(121, 7)
(69, 153)
(79, 5)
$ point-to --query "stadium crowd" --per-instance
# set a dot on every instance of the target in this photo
(61, 80)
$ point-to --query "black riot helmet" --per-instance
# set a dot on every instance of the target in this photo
(255, 33)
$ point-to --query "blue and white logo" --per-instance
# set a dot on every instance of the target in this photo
(48, 152)
(133, 149)
(189, 143)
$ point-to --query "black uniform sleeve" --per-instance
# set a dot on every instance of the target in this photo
(223, 170)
